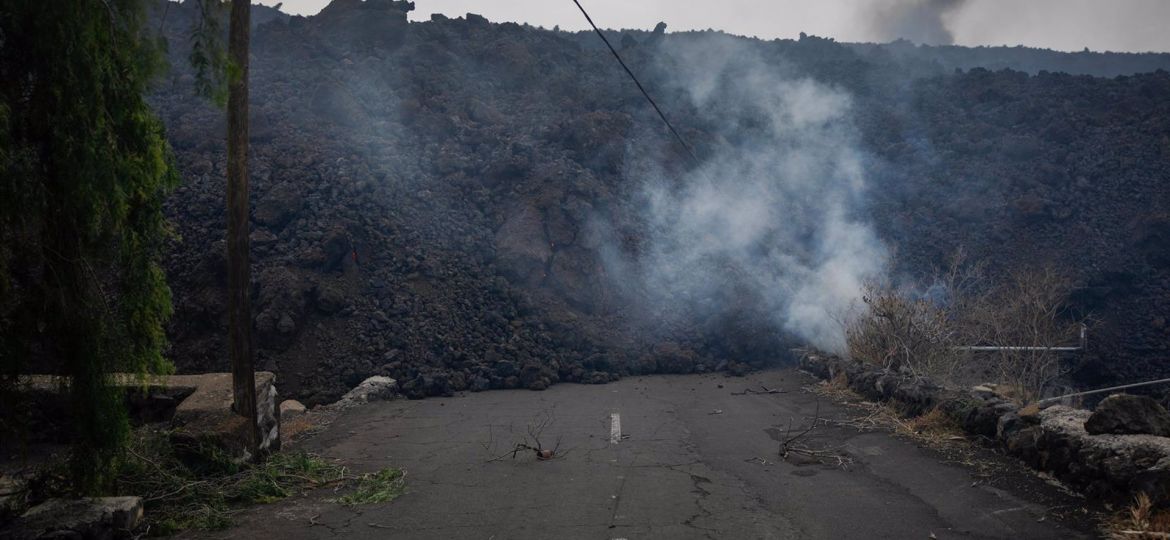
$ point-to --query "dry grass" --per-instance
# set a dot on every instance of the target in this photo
(840, 381)
(304, 426)
(934, 424)
(933, 429)
(835, 389)
(871, 416)
(1141, 521)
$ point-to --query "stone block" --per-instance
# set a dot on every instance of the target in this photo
(206, 417)
(91, 518)
(291, 408)
(375, 388)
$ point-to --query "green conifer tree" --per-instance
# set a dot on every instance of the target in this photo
(84, 168)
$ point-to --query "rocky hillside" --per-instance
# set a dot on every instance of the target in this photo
(458, 204)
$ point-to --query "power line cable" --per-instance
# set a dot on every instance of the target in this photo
(629, 72)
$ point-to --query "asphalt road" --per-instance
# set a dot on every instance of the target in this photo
(689, 460)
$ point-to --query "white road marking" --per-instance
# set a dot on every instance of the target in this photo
(615, 428)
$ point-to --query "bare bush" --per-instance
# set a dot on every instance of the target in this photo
(899, 332)
(921, 332)
(1028, 319)
(965, 325)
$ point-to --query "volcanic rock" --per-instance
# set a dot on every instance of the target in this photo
(279, 205)
(1124, 414)
(484, 186)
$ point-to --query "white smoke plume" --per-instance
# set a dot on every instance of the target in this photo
(772, 217)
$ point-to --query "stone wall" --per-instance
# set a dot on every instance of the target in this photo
(1052, 439)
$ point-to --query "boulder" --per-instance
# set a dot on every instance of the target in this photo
(375, 388)
(329, 297)
(280, 306)
(428, 384)
(104, 517)
(335, 246)
(479, 384)
(13, 496)
(1123, 414)
(291, 408)
(262, 238)
(522, 245)
(277, 207)
(669, 357)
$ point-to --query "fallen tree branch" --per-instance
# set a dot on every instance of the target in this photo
(787, 443)
(789, 446)
(763, 390)
(532, 442)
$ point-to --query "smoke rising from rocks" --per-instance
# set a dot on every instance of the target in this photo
(771, 221)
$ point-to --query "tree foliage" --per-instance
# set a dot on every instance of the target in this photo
(85, 167)
(208, 56)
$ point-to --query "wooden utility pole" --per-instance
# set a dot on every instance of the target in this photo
(240, 347)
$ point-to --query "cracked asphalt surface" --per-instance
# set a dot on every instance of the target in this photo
(693, 461)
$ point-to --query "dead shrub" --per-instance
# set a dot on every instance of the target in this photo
(934, 422)
(919, 332)
(901, 333)
(1027, 315)
(966, 326)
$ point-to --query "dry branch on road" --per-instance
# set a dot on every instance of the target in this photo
(763, 390)
(790, 446)
(531, 442)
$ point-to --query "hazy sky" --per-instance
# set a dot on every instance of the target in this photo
(1118, 25)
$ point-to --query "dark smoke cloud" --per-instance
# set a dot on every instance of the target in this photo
(920, 21)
